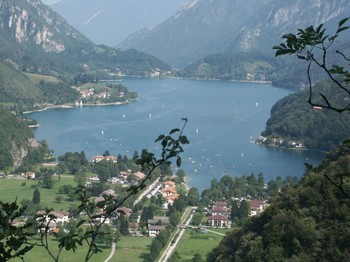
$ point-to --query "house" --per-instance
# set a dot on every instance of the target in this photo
(219, 208)
(257, 206)
(170, 199)
(156, 224)
(139, 175)
(153, 230)
(169, 184)
(158, 220)
(218, 221)
(59, 217)
(219, 217)
(30, 175)
(167, 191)
(124, 210)
(97, 159)
(109, 192)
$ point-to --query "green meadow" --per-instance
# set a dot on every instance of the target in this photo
(12, 189)
(196, 241)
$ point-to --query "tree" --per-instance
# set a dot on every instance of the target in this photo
(123, 226)
(48, 180)
(313, 45)
(36, 196)
(193, 196)
(14, 241)
(106, 153)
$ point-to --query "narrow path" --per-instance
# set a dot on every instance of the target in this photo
(112, 253)
(185, 220)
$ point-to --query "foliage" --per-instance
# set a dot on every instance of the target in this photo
(234, 187)
(14, 137)
(313, 46)
(306, 222)
(36, 196)
(293, 120)
(242, 66)
(14, 240)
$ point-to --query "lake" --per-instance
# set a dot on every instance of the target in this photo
(224, 119)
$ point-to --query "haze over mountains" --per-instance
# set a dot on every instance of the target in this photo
(230, 26)
(111, 21)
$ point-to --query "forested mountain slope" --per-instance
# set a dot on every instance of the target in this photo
(306, 222)
(293, 118)
(15, 139)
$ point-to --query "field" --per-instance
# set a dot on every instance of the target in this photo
(201, 242)
(132, 249)
(40, 254)
(22, 189)
(35, 78)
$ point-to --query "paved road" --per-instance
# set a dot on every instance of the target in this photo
(146, 191)
(185, 220)
(112, 253)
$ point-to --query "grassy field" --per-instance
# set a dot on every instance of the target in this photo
(40, 254)
(35, 78)
(129, 249)
(14, 188)
(132, 249)
(194, 242)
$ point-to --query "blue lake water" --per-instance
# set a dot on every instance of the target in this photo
(224, 118)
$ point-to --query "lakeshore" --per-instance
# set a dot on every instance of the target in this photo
(220, 134)
(70, 106)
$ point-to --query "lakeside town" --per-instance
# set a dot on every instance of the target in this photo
(160, 206)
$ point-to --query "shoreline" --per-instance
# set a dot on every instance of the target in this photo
(70, 106)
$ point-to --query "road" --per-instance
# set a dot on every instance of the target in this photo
(112, 252)
(185, 220)
(146, 191)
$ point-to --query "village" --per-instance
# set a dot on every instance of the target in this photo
(218, 214)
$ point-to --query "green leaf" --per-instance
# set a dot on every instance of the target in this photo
(343, 21)
(178, 161)
(174, 131)
(342, 29)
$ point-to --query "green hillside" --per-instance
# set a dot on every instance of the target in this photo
(14, 86)
(251, 66)
(306, 222)
(14, 139)
(294, 119)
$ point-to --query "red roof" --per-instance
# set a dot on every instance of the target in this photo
(218, 217)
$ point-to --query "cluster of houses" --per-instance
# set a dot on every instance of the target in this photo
(168, 190)
(219, 214)
(91, 93)
(280, 142)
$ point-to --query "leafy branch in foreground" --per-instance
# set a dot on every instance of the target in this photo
(312, 45)
(97, 214)
(14, 240)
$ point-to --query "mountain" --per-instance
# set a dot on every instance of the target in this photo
(206, 27)
(251, 66)
(34, 39)
(111, 21)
